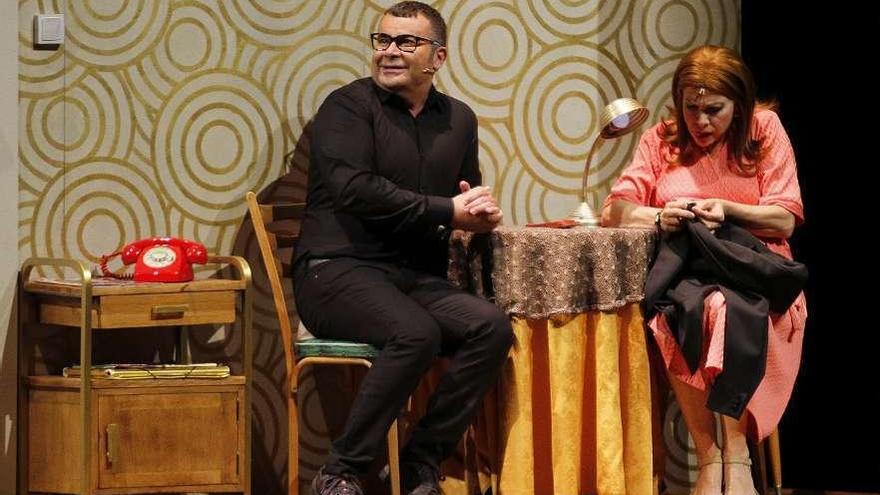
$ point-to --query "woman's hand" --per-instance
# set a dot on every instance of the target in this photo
(762, 220)
(710, 211)
(673, 214)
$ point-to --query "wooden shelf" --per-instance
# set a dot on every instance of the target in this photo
(54, 381)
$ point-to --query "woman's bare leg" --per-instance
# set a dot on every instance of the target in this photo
(737, 463)
(701, 425)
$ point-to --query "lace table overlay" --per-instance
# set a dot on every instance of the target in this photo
(537, 272)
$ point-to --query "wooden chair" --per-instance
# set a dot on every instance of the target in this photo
(771, 444)
(301, 353)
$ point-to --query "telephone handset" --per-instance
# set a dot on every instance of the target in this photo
(158, 259)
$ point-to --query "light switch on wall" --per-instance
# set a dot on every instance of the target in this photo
(48, 29)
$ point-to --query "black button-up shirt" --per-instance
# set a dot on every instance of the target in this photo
(381, 180)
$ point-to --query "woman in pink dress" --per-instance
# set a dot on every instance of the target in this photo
(730, 155)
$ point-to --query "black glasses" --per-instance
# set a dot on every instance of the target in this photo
(405, 42)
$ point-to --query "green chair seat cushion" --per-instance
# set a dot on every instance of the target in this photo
(334, 348)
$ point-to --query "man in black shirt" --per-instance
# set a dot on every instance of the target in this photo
(393, 162)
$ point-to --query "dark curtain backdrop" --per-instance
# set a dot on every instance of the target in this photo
(813, 61)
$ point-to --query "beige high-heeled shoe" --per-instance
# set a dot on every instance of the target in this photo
(715, 459)
(745, 461)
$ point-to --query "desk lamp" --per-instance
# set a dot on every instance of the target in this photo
(619, 118)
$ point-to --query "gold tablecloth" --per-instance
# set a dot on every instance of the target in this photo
(574, 399)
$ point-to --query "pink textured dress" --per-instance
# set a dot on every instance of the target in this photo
(651, 180)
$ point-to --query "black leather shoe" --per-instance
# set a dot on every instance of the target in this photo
(335, 484)
(419, 479)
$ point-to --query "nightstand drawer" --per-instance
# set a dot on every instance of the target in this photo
(144, 310)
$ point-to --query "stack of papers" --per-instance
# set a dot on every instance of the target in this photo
(131, 371)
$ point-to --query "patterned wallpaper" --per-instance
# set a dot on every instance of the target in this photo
(156, 116)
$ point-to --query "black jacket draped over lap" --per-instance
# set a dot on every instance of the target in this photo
(755, 281)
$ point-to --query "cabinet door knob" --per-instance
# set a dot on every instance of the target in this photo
(112, 445)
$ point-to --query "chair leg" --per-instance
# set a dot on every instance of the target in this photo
(490, 410)
(394, 459)
(762, 465)
(292, 445)
(776, 461)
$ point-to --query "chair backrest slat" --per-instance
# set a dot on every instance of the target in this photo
(267, 221)
(285, 241)
(288, 211)
(285, 269)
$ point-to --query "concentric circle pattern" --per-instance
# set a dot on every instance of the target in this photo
(41, 72)
(578, 19)
(312, 70)
(113, 34)
(489, 44)
(665, 29)
(680, 470)
(90, 118)
(197, 38)
(217, 137)
(556, 109)
(93, 208)
(654, 89)
(279, 23)
(155, 116)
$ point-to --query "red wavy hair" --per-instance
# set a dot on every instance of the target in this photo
(722, 71)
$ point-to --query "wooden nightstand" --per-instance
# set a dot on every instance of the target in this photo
(120, 436)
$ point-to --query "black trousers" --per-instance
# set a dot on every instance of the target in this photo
(412, 317)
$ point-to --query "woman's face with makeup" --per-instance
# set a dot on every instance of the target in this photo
(707, 115)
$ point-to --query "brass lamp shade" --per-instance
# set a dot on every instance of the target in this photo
(620, 117)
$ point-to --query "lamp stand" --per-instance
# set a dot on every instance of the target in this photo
(583, 214)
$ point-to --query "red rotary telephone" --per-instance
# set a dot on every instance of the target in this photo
(159, 259)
